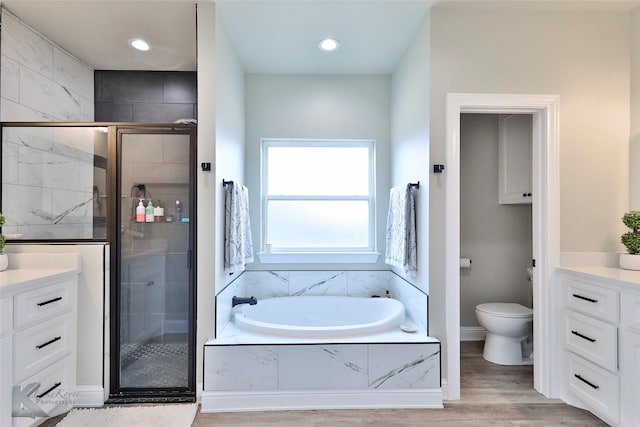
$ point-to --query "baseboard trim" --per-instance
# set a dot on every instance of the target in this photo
(214, 401)
(472, 333)
(89, 396)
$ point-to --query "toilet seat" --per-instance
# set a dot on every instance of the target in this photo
(506, 309)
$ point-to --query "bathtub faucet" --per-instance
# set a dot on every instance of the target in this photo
(239, 300)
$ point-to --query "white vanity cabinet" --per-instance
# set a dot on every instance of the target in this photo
(600, 342)
(515, 137)
(38, 328)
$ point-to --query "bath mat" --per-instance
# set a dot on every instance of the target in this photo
(175, 415)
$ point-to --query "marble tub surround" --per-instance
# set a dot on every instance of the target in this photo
(269, 284)
(49, 181)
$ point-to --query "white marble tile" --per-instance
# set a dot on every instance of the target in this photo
(368, 283)
(29, 205)
(13, 112)
(24, 45)
(223, 304)
(322, 367)
(48, 97)
(63, 173)
(403, 366)
(266, 284)
(69, 72)
(76, 142)
(9, 162)
(9, 79)
(87, 109)
(318, 283)
(72, 207)
(415, 302)
(245, 368)
(39, 138)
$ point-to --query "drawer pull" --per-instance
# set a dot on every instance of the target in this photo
(589, 383)
(584, 337)
(40, 304)
(48, 342)
(585, 298)
(55, 386)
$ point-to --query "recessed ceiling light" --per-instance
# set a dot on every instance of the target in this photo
(329, 44)
(140, 44)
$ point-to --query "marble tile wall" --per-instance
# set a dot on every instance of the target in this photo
(269, 284)
(48, 172)
(322, 367)
(40, 80)
(47, 184)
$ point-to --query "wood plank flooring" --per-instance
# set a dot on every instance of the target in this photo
(492, 395)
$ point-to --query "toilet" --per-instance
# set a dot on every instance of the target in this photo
(509, 328)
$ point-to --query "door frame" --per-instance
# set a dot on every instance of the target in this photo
(546, 226)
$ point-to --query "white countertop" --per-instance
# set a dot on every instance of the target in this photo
(27, 271)
(618, 275)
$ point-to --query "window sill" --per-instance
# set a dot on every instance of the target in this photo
(318, 257)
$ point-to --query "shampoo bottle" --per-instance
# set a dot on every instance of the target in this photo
(140, 212)
(149, 212)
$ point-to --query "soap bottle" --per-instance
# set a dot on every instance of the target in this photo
(178, 211)
(158, 212)
(140, 212)
(149, 212)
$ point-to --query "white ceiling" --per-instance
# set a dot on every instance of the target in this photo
(268, 36)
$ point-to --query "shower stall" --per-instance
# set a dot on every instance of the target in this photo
(84, 182)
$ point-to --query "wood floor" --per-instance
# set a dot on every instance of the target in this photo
(492, 395)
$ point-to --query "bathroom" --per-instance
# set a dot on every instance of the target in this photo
(607, 136)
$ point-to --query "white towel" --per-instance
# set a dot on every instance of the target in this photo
(238, 248)
(402, 244)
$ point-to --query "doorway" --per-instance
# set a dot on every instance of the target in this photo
(152, 285)
(545, 225)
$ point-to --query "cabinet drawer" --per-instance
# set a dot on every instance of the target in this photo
(591, 300)
(631, 311)
(42, 303)
(595, 386)
(40, 345)
(50, 388)
(593, 339)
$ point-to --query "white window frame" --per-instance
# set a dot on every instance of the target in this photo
(310, 254)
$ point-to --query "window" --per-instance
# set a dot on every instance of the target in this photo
(318, 195)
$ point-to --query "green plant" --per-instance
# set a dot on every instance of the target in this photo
(631, 239)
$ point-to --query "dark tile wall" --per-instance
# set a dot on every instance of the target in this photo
(145, 96)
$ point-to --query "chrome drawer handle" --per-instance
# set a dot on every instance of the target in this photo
(55, 386)
(48, 342)
(585, 298)
(584, 337)
(589, 383)
(40, 304)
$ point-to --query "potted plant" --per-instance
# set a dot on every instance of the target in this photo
(631, 240)
(4, 259)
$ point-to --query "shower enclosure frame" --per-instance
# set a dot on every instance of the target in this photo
(118, 394)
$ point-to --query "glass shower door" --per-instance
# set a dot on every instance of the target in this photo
(154, 243)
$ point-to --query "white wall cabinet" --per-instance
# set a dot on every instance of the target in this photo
(38, 327)
(515, 134)
(600, 343)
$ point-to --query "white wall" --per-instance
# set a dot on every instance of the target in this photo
(410, 139)
(206, 182)
(40, 81)
(317, 106)
(230, 142)
(635, 110)
(581, 56)
(498, 238)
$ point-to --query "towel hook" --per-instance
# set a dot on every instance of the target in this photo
(225, 182)
(415, 184)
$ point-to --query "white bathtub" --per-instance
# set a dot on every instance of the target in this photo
(320, 316)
